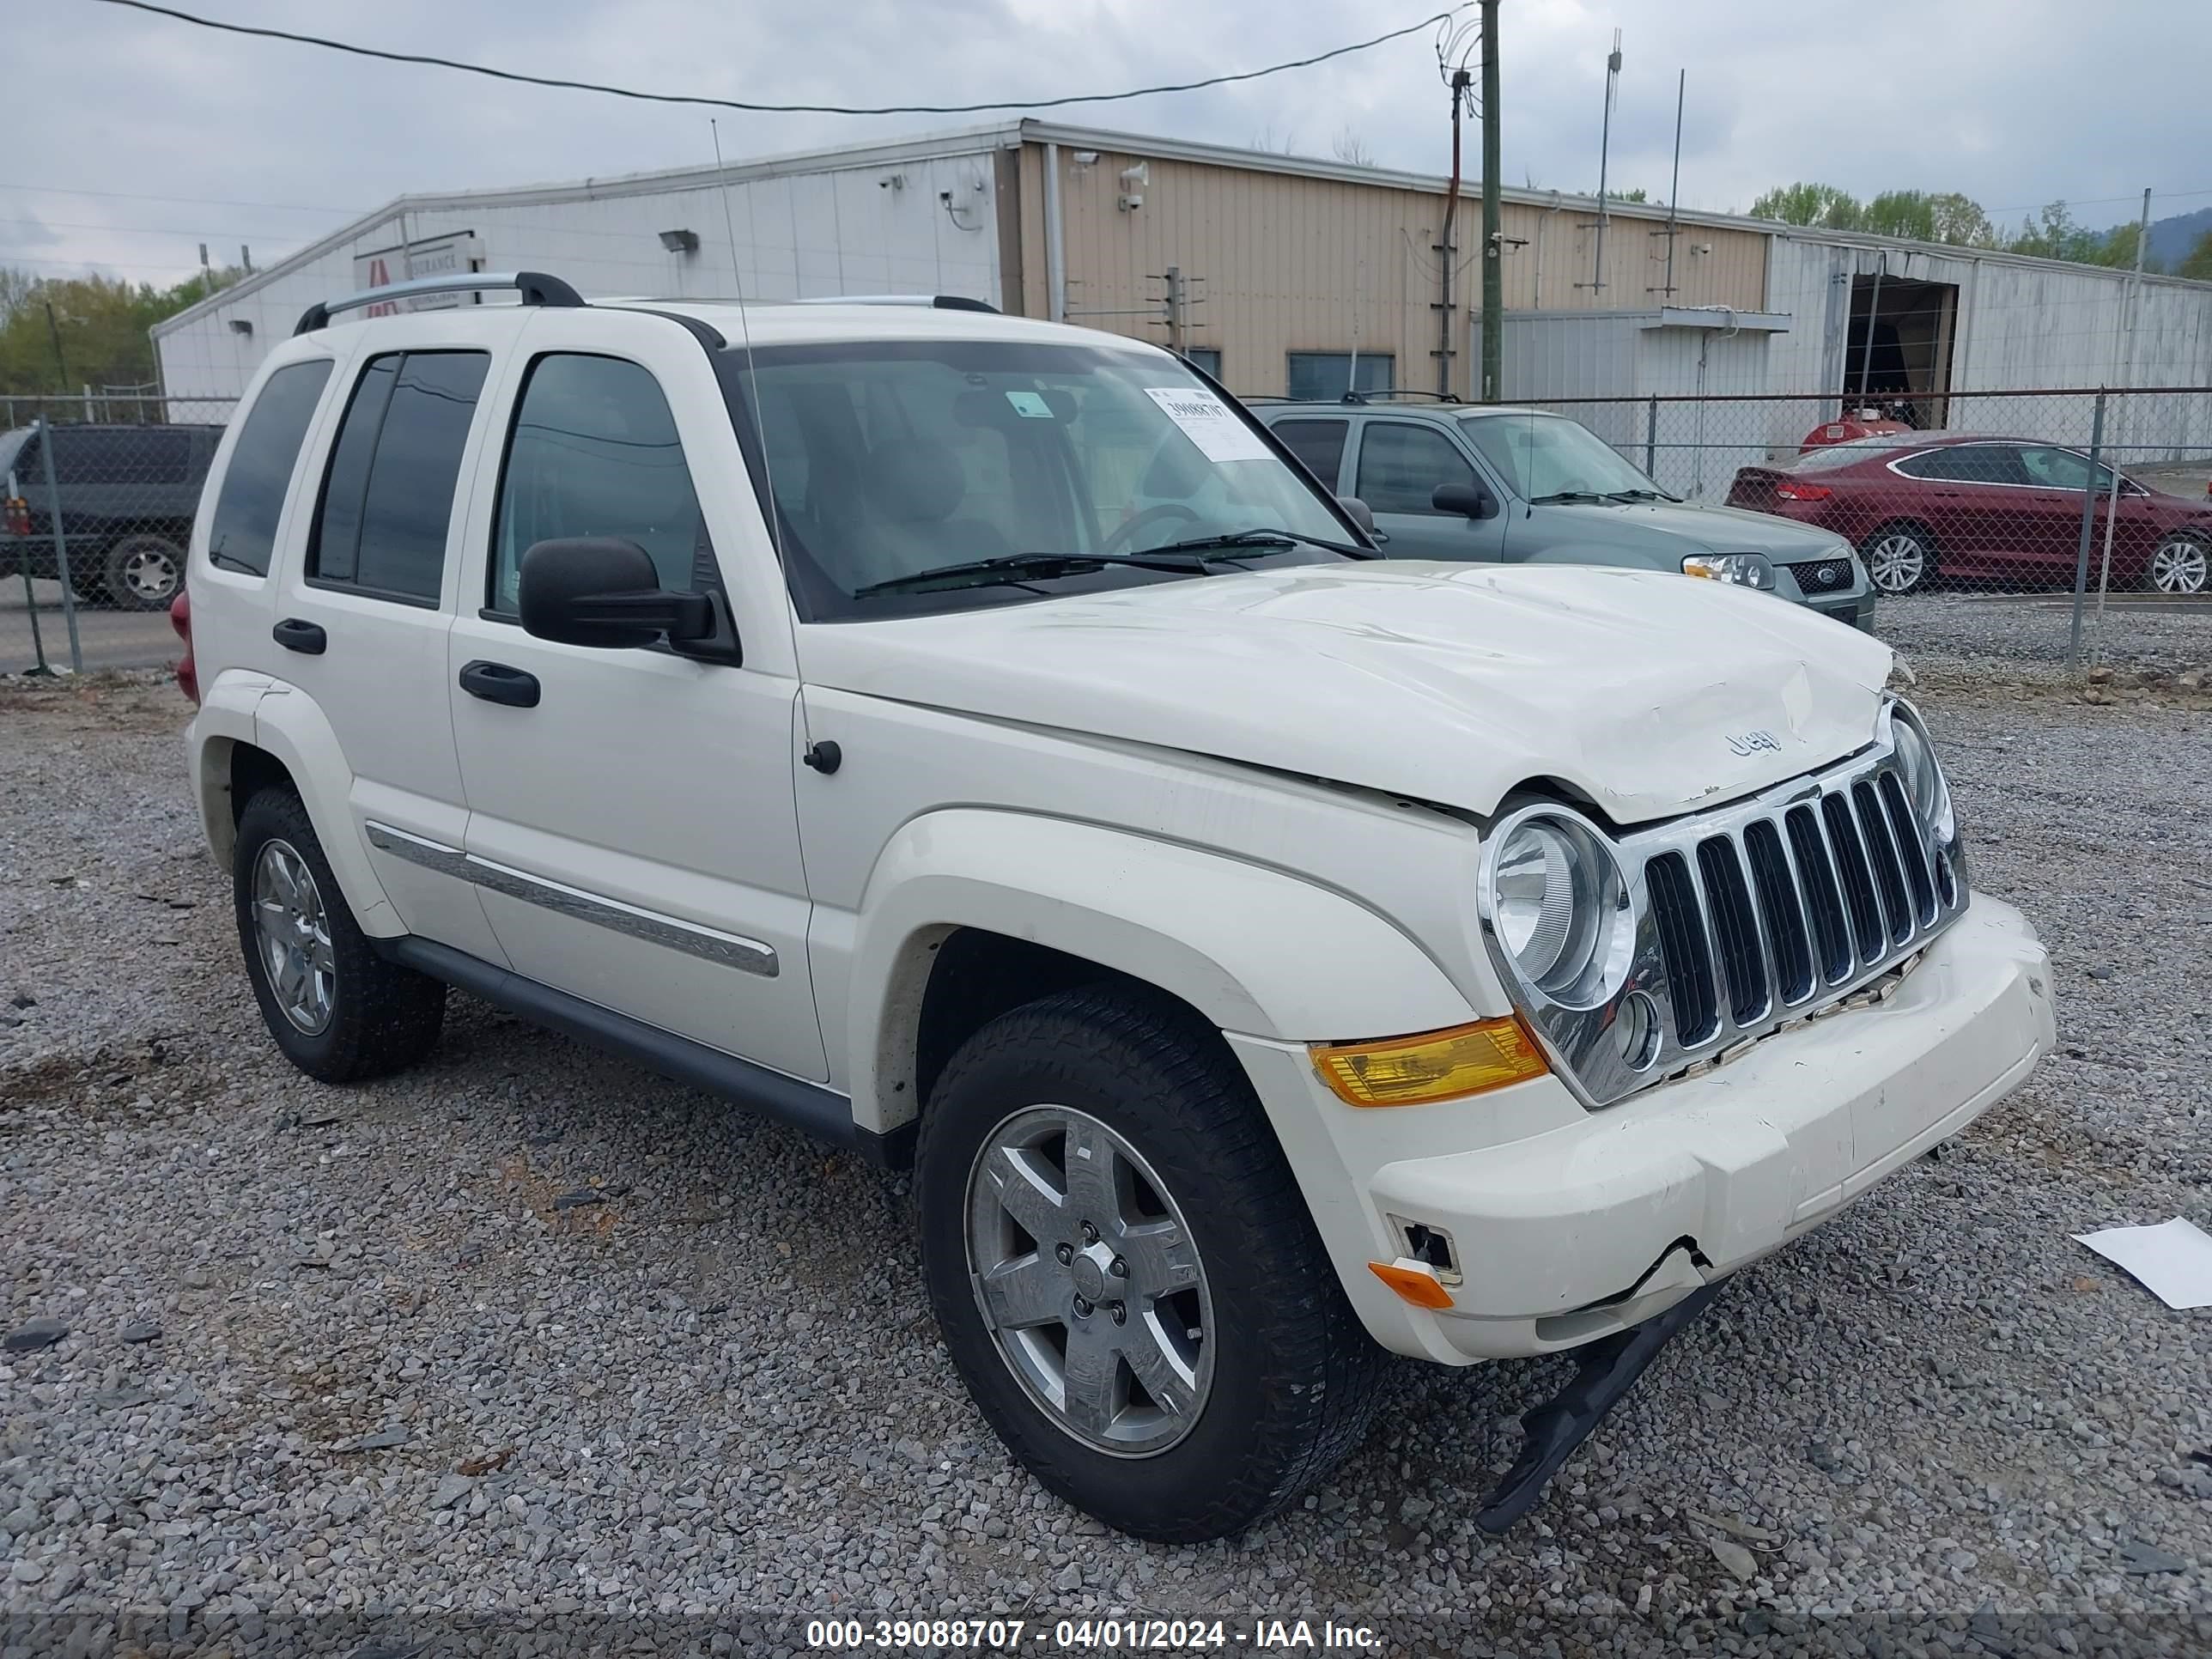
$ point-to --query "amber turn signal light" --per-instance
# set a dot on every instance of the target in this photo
(1414, 1282)
(1409, 1071)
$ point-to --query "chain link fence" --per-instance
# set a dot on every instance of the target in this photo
(99, 491)
(2027, 491)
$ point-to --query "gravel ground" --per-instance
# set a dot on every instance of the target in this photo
(534, 1337)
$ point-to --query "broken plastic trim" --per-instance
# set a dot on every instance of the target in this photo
(1551, 1432)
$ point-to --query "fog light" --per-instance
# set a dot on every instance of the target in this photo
(1432, 1066)
(1636, 1030)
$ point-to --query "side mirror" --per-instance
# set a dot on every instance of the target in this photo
(1358, 512)
(1471, 499)
(602, 591)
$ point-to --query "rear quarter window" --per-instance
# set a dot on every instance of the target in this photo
(243, 532)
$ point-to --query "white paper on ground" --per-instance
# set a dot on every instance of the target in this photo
(2173, 1260)
(1209, 423)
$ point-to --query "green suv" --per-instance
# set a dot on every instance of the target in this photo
(1517, 485)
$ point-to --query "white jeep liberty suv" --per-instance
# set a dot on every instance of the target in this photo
(978, 742)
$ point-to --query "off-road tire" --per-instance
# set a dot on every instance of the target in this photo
(1295, 1376)
(383, 1017)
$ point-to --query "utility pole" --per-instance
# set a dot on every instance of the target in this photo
(1493, 243)
(1604, 153)
(1175, 309)
(1447, 250)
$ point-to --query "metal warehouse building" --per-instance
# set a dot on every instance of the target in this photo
(1285, 274)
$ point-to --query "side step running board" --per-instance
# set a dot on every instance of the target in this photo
(1551, 1432)
(790, 1100)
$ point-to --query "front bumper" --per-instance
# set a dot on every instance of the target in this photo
(1568, 1225)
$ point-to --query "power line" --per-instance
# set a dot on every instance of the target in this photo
(770, 109)
(196, 201)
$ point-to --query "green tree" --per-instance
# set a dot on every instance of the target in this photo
(1907, 213)
(60, 334)
(2198, 264)
(1822, 206)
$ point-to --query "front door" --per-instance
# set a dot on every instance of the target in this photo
(632, 812)
(1401, 464)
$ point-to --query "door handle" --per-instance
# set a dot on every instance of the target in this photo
(297, 634)
(495, 682)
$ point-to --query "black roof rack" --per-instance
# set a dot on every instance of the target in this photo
(535, 286)
(934, 301)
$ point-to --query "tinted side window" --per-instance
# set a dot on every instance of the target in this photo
(110, 455)
(594, 452)
(388, 499)
(1319, 444)
(1401, 464)
(1968, 464)
(243, 532)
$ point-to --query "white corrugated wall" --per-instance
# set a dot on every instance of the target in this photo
(798, 236)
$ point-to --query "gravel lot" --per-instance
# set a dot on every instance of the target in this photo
(532, 1335)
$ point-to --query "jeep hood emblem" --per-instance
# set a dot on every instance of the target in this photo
(1750, 743)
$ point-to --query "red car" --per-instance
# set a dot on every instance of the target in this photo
(1986, 509)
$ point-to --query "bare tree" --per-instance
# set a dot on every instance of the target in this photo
(1351, 148)
(1266, 139)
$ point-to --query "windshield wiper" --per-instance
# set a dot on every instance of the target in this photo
(1017, 568)
(1642, 495)
(1260, 540)
(1567, 496)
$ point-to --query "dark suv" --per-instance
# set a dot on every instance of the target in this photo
(128, 493)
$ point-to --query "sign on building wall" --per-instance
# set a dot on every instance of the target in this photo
(434, 256)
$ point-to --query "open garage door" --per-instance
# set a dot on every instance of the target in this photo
(1897, 355)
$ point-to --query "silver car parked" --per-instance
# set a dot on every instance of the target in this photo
(1493, 482)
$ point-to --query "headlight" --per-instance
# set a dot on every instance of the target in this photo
(1555, 900)
(1742, 569)
(1924, 777)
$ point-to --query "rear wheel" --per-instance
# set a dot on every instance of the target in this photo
(1900, 558)
(340, 1010)
(2178, 565)
(144, 572)
(1125, 1272)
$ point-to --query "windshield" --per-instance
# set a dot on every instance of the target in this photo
(888, 458)
(1544, 455)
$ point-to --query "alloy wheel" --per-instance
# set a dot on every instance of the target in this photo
(2179, 566)
(150, 574)
(293, 933)
(1897, 562)
(1089, 1280)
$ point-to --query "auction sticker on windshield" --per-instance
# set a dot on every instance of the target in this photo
(1209, 423)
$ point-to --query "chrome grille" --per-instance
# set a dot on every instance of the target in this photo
(1758, 913)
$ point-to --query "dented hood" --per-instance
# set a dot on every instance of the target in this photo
(1649, 693)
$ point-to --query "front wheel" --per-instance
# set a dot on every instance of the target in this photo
(1900, 558)
(1125, 1273)
(340, 1010)
(2178, 565)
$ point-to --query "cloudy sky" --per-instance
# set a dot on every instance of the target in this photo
(134, 137)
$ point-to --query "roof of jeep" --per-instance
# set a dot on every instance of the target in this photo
(770, 323)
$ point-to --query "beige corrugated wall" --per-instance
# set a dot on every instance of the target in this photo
(1275, 263)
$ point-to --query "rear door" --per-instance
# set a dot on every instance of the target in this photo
(363, 607)
(1399, 466)
(634, 820)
